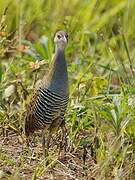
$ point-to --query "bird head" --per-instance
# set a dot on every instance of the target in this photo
(61, 39)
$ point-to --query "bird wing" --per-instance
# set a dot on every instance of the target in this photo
(30, 121)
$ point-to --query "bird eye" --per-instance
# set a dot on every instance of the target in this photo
(58, 36)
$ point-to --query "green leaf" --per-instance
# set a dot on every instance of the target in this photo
(1, 72)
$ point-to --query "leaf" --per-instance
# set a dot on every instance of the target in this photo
(9, 91)
(0, 72)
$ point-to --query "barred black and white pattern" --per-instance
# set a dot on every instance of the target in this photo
(48, 106)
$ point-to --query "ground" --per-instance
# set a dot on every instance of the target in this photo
(17, 161)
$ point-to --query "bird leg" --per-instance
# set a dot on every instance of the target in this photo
(43, 143)
(63, 141)
(28, 141)
(64, 136)
(46, 143)
(49, 139)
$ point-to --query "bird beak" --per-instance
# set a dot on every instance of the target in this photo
(65, 39)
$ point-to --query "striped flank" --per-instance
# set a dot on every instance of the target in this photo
(48, 106)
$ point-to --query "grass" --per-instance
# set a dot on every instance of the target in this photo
(101, 112)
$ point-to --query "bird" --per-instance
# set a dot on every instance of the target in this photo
(46, 110)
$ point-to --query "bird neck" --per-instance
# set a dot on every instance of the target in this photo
(59, 64)
(58, 77)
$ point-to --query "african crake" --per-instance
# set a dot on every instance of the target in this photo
(48, 106)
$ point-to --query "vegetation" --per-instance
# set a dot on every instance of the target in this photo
(101, 112)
